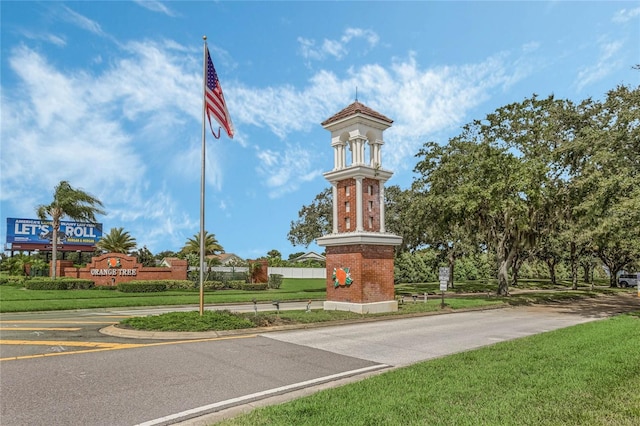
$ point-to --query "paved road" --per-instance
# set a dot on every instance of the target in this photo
(163, 382)
(31, 334)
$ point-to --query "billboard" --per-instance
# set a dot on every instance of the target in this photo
(36, 231)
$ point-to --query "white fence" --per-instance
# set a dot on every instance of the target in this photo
(300, 272)
(285, 272)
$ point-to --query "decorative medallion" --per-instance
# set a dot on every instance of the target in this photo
(341, 277)
(113, 262)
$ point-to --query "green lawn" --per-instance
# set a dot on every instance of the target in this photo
(583, 375)
(16, 299)
(224, 320)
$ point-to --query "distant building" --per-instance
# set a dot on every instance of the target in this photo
(227, 258)
(311, 255)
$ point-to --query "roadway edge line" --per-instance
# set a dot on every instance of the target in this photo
(205, 409)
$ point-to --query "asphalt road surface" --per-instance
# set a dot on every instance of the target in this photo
(91, 379)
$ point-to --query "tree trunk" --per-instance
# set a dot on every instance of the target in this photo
(452, 264)
(613, 268)
(574, 267)
(54, 249)
(551, 265)
(505, 260)
(503, 278)
(517, 264)
(587, 272)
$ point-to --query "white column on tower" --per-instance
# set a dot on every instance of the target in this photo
(343, 155)
(372, 154)
(359, 227)
(334, 191)
(381, 185)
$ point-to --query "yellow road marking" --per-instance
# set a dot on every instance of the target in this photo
(70, 343)
(41, 328)
(207, 339)
(100, 346)
(88, 321)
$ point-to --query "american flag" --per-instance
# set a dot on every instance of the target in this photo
(214, 100)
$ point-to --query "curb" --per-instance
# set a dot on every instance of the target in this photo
(115, 331)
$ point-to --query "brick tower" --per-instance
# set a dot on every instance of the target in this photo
(359, 253)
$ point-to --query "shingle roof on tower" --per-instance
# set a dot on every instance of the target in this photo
(353, 109)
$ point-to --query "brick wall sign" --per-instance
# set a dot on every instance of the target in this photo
(113, 268)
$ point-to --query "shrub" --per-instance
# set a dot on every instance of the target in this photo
(11, 280)
(46, 283)
(235, 284)
(275, 281)
(254, 286)
(213, 285)
(77, 284)
(190, 321)
(226, 276)
(142, 286)
(179, 284)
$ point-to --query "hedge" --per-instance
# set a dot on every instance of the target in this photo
(47, 283)
(12, 279)
(236, 284)
(142, 286)
(178, 284)
(213, 285)
(254, 287)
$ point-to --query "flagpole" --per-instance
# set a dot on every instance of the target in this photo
(202, 180)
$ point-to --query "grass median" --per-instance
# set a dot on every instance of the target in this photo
(224, 320)
(14, 298)
(583, 375)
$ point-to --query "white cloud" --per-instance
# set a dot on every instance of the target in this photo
(607, 62)
(81, 21)
(103, 132)
(308, 50)
(47, 37)
(423, 101)
(55, 129)
(285, 171)
(113, 129)
(336, 48)
(156, 6)
(370, 36)
(626, 15)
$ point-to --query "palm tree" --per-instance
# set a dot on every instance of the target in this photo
(72, 203)
(117, 241)
(211, 245)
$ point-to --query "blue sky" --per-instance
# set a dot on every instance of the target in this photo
(108, 95)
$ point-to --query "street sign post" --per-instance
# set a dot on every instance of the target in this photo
(443, 275)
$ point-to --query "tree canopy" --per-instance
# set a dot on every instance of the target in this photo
(211, 245)
(117, 241)
(72, 203)
(545, 178)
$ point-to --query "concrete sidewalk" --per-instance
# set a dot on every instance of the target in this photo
(399, 341)
(598, 307)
